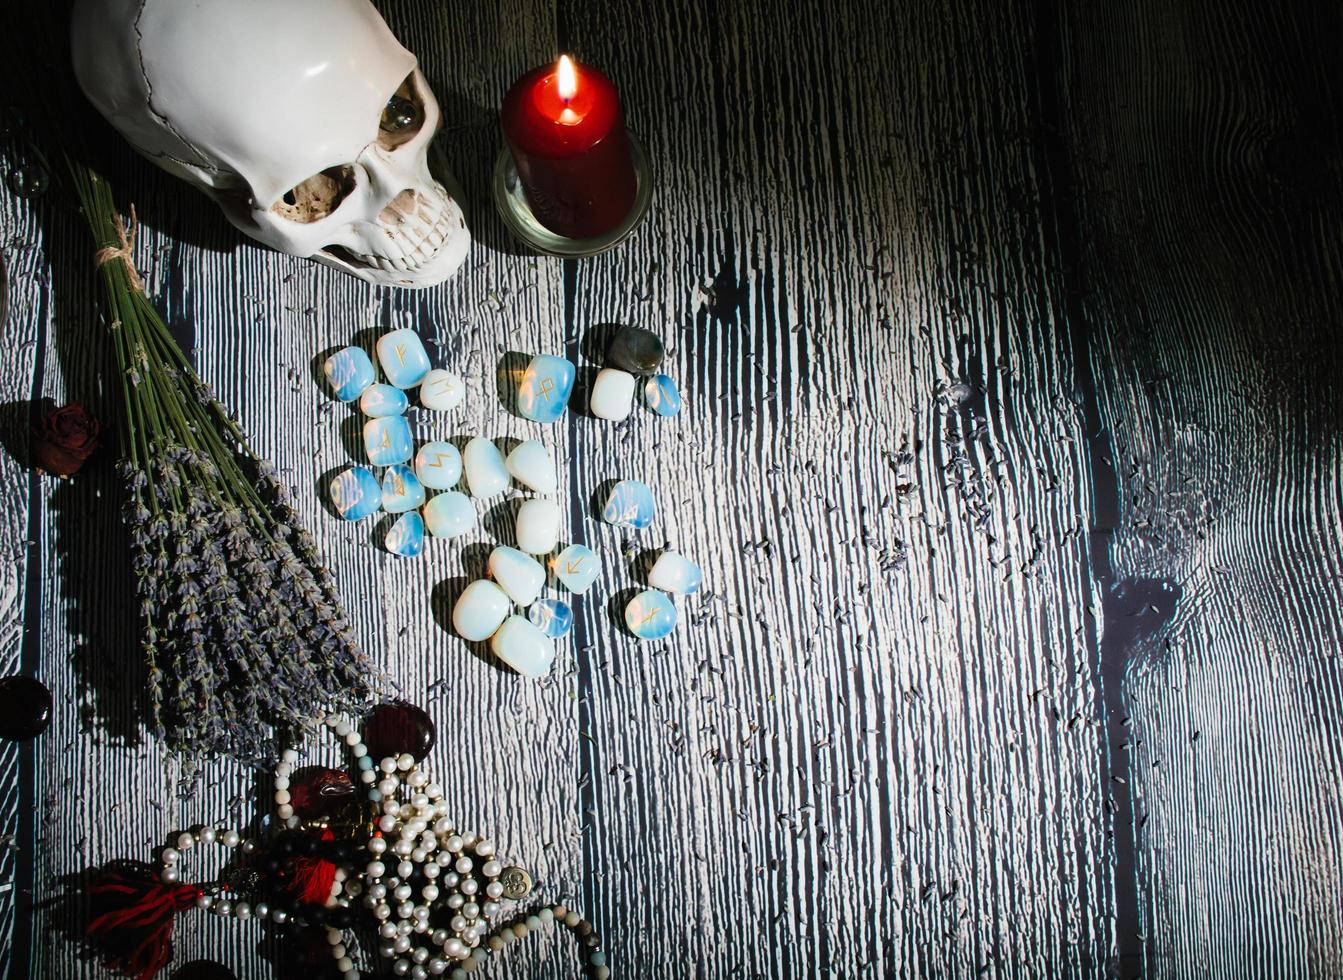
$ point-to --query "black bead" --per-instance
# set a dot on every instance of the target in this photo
(285, 845)
(307, 845)
(635, 350)
(25, 708)
(342, 852)
(341, 917)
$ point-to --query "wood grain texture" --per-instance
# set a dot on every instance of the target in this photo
(1207, 165)
(1010, 453)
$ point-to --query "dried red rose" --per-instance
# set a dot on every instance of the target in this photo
(65, 439)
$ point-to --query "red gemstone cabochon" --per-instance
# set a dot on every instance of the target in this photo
(398, 727)
(316, 791)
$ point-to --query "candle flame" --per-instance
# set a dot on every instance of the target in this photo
(568, 82)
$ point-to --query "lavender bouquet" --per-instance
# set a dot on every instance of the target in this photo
(243, 629)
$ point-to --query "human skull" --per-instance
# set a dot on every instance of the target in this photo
(305, 120)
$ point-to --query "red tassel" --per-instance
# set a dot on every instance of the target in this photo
(131, 912)
(311, 878)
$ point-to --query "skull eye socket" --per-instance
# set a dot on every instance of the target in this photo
(317, 197)
(402, 116)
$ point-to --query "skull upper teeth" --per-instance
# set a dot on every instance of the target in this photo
(418, 233)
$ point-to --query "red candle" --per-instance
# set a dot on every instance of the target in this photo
(566, 132)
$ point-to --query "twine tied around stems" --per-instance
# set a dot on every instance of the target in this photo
(125, 251)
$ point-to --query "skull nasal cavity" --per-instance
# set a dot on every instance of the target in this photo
(400, 208)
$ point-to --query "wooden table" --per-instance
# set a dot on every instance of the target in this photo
(1010, 339)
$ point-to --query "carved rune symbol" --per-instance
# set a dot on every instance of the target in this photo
(386, 440)
(547, 386)
(401, 353)
(438, 459)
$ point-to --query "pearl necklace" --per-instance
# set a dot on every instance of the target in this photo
(414, 844)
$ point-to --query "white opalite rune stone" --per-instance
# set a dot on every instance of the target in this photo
(523, 647)
(480, 609)
(675, 573)
(531, 465)
(538, 526)
(486, 474)
(520, 576)
(441, 391)
(612, 395)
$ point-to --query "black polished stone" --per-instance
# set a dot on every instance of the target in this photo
(635, 350)
(392, 729)
(25, 708)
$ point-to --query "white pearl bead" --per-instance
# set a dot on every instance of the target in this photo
(387, 765)
(416, 827)
(204, 901)
(463, 865)
(490, 909)
(454, 843)
(485, 848)
(416, 779)
(223, 907)
(376, 845)
(470, 910)
(418, 855)
(342, 728)
(468, 839)
(388, 823)
(387, 787)
(430, 892)
(402, 892)
(458, 923)
(442, 826)
(420, 955)
(171, 855)
(455, 901)
(289, 756)
(344, 964)
(405, 761)
(494, 889)
(231, 838)
(242, 910)
(170, 875)
(387, 930)
(381, 911)
(405, 869)
(419, 801)
(443, 859)
(434, 791)
(403, 912)
(279, 917)
(377, 891)
(403, 847)
(418, 973)
(375, 869)
(367, 776)
(392, 808)
(402, 944)
(401, 968)
(184, 841)
(284, 811)
(291, 820)
(248, 846)
(450, 879)
(262, 910)
(281, 796)
(431, 871)
(358, 750)
(420, 913)
(469, 887)
(491, 869)
(438, 966)
(455, 948)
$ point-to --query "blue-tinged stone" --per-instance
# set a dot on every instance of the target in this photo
(355, 493)
(401, 491)
(449, 515)
(438, 465)
(551, 616)
(546, 385)
(349, 371)
(380, 401)
(406, 536)
(577, 567)
(403, 358)
(630, 505)
(523, 647)
(661, 395)
(674, 573)
(387, 440)
(650, 615)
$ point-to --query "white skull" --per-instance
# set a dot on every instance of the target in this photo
(305, 120)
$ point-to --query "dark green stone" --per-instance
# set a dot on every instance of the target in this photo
(635, 350)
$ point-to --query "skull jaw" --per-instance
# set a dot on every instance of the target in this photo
(433, 271)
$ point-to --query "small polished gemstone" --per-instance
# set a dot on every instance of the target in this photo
(398, 728)
(629, 505)
(577, 567)
(538, 526)
(441, 391)
(531, 465)
(379, 401)
(317, 791)
(438, 465)
(486, 474)
(449, 515)
(675, 573)
(355, 493)
(523, 647)
(544, 391)
(403, 358)
(635, 350)
(650, 615)
(480, 609)
(612, 396)
(25, 708)
(387, 440)
(401, 490)
(349, 372)
(552, 617)
(406, 536)
(661, 396)
(519, 575)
